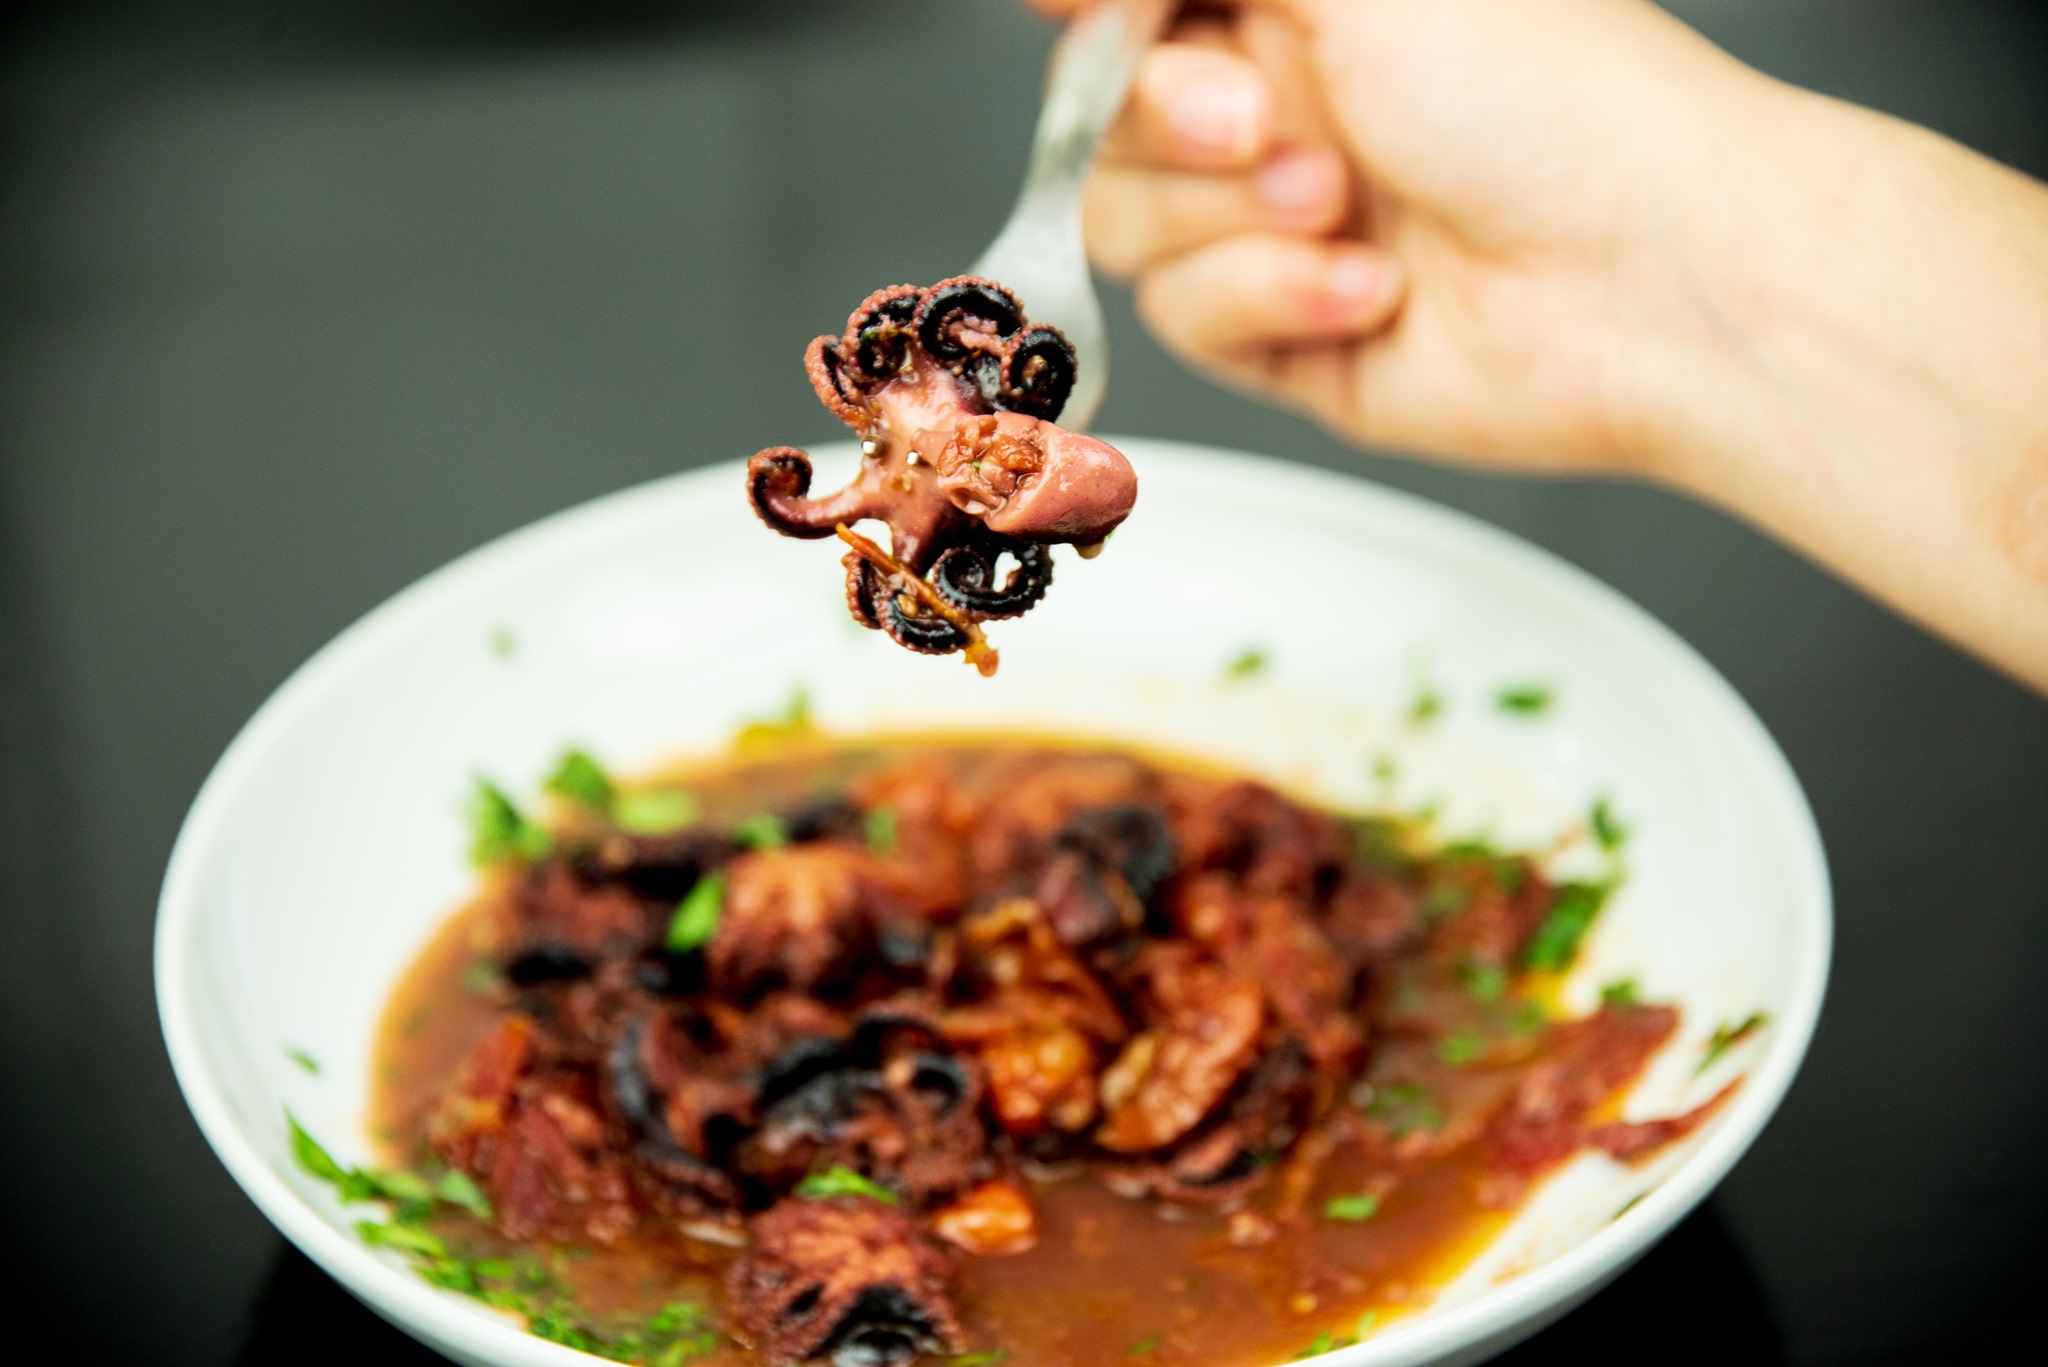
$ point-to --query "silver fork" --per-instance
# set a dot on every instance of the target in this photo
(1039, 253)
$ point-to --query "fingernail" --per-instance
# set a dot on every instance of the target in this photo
(1215, 114)
(1355, 282)
(1300, 183)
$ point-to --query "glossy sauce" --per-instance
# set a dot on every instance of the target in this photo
(1111, 1280)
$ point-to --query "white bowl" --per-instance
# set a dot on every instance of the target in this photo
(328, 844)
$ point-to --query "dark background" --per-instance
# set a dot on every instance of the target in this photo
(300, 298)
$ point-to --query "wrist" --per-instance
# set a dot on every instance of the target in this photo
(1851, 357)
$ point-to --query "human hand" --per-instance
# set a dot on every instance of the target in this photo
(1433, 224)
(1576, 235)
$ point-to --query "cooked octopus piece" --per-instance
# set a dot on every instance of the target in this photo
(849, 1280)
(978, 993)
(955, 396)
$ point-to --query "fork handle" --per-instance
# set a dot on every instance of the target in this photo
(1090, 76)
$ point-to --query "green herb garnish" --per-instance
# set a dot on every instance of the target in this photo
(1461, 1047)
(481, 977)
(1727, 1036)
(504, 644)
(458, 1189)
(1620, 994)
(793, 720)
(308, 1154)
(1525, 700)
(654, 811)
(1426, 706)
(1607, 828)
(1572, 909)
(1484, 982)
(1146, 1344)
(1445, 900)
(1328, 1342)
(987, 1359)
(1377, 842)
(1404, 1107)
(761, 831)
(404, 1238)
(498, 831)
(1245, 664)
(881, 829)
(1352, 1209)
(583, 781)
(696, 919)
(304, 1060)
(1528, 1018)
(838, 1181)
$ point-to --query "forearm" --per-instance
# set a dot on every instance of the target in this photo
(1870, 319)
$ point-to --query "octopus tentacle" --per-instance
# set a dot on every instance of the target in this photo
(966, 313)
(920, 631)
(778, 480)
(826, 365)
(1038, 373)
(965, 576)
(861, 590)
(879, 333)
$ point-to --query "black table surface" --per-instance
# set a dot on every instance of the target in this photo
(297, 301)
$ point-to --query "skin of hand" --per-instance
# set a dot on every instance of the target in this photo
(1576, 236)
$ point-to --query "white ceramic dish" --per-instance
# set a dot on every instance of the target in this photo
(328, 842)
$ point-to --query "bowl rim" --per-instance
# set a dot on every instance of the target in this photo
(1495, 1317)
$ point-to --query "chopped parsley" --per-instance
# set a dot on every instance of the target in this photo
(793, 720)
(1352, 1209)
(670, 1337)
(761, 831)
(458, 1189)
(654, 811)
(498, 831)
(504, 644)
(1572, 909)
(308, 1154)
(1377, 842)
(583, 781)
(1726, 1037)
(1484, 982)
(404, 1238)
(1426, 706)
(1621, 994)
(1629, 1205)
(1525, 700)
(1462, 1047)
(696, 919)
(838, 1181)
(1386, 769)
(1607, 829)
(1147, 1344)
(987, 1359)
(481, 977)
(304, 1060)
(1528, 1018)
(1404, 1108)
(1246, 664)
(1329, 1342)
(1445, 900)
(1325, 1342)
(881, 829)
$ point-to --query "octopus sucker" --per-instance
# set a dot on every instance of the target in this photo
(955, 395)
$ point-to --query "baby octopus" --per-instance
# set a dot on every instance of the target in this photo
(955, 396)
